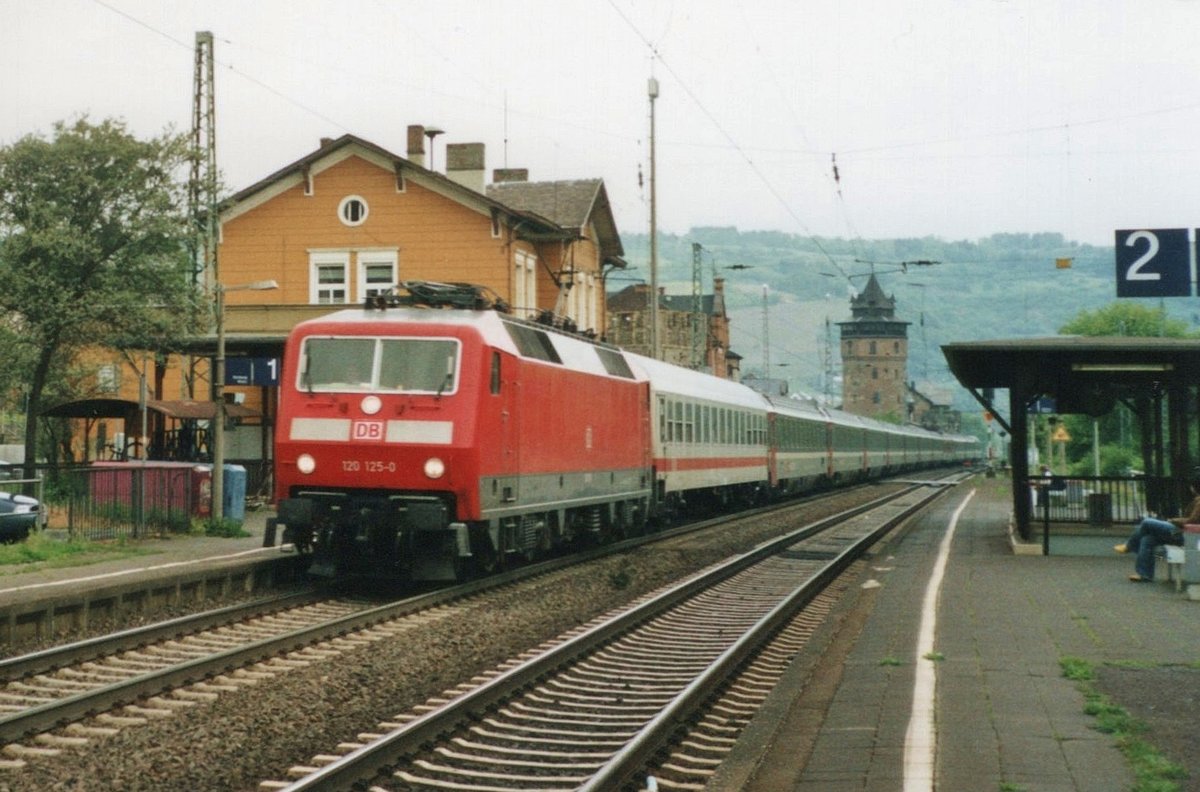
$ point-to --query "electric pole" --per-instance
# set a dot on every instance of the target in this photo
(654, 350)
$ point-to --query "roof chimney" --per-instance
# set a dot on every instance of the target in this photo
(326, 141)
(464, 165)
(502, 175)
(416, 144)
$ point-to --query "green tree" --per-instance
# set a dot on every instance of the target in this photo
(1127, 319)
(1119, 434)
(92, 250)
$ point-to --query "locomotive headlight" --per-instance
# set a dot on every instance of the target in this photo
(434, 468)
(306, 464)
(371, 405)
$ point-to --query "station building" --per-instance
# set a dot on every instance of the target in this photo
(349, 220)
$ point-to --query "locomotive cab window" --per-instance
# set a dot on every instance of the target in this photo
(409, 365)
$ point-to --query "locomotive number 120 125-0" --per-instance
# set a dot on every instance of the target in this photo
(368, 466)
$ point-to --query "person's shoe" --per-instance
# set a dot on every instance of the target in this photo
(1139, 579)
(1121, 548)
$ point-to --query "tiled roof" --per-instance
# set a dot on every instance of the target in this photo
(567, 203)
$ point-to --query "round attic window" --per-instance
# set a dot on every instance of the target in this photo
(352, 210)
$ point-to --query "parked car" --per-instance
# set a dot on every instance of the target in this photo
(18, 515)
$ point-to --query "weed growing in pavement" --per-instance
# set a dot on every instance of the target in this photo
(1076, 669)
(936, 657)
(1005, 786)
(1153, 771)
(890, 661)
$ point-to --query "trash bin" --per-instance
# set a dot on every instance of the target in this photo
(1099, 508)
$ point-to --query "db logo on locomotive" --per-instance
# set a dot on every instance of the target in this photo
(367, 430)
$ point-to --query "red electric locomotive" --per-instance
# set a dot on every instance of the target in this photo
(426, 444)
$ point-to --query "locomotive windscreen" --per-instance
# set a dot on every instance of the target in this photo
(409, 365)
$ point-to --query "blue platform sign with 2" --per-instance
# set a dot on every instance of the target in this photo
(1154, 263)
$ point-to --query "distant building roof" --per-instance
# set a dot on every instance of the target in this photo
(634, 298)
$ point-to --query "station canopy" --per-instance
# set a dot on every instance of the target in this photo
(1085, 374)
(179, 409)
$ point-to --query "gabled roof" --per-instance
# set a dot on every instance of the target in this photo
(334, 151)
(570, 204)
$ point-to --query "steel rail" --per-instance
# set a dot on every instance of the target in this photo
(17, 726)
(55, 657)
(371, 759)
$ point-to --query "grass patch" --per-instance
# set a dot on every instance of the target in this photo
(225, 528)
(1153, 771)
(40, 551)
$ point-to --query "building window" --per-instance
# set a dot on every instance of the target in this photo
(524, 284)
(376, 274)
(108, 378)
(328, 278)
(872, 347)
(352, 211)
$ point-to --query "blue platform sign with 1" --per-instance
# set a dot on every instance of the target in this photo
(251, 371)
(1154, 263)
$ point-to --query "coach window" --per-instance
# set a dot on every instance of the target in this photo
(688, 422)
(495, 372)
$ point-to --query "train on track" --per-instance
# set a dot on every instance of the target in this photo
(433, 436)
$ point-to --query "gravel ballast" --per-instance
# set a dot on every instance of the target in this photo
(260, 730)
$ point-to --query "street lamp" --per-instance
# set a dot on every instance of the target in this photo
(218, 434)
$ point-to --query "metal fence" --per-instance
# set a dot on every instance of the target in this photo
(1101, 500)
(130, 501)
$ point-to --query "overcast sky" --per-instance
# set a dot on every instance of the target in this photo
(953, 119)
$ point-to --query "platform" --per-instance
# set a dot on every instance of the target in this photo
(1004, 716)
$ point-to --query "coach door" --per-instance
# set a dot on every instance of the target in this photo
(506, 385)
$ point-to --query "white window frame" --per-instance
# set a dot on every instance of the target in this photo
(376, 258)
(319, 260)
(341, 210)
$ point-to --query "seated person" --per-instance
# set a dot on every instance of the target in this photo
(1151, 533)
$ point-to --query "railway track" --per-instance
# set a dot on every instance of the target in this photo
(143, 673)
(685, 667)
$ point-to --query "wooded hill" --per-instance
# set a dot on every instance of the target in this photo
(1004, 286)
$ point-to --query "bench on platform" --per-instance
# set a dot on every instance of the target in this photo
(1173, 555)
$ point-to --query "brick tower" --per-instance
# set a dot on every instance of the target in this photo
(874, 356)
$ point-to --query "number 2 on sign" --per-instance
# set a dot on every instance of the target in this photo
(1134, 273)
